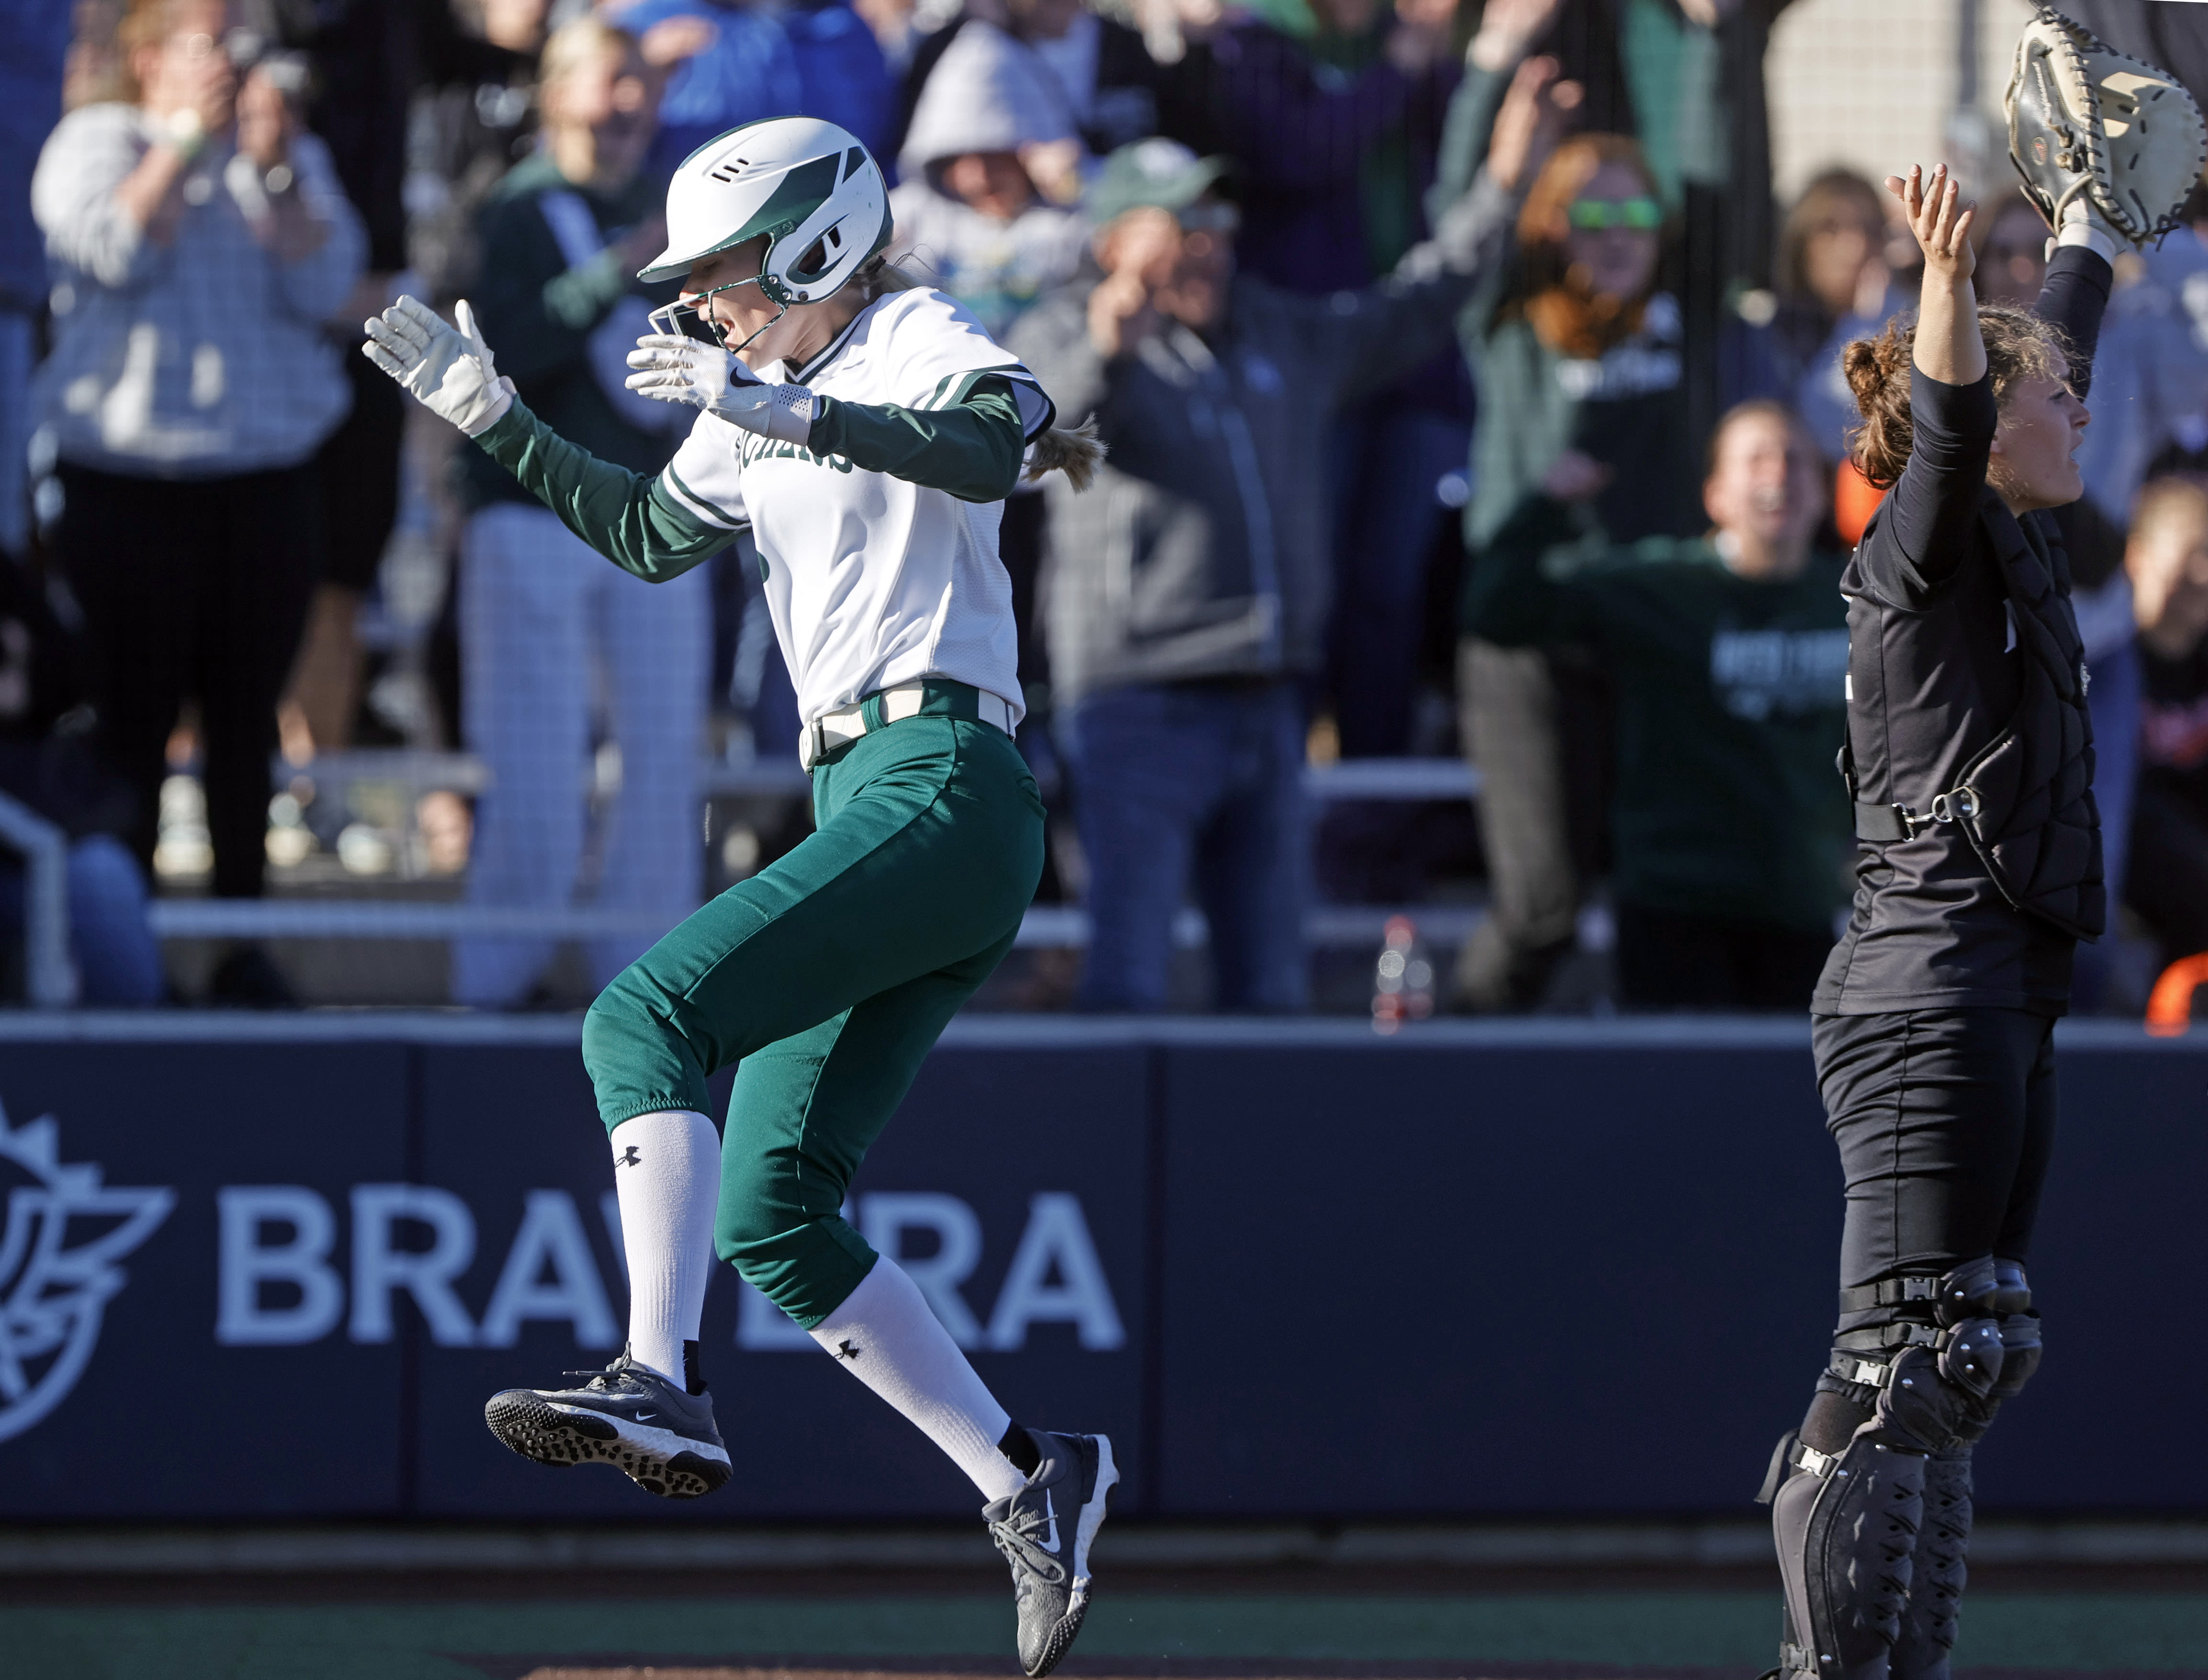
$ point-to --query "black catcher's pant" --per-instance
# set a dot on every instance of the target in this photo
(1945, 1119)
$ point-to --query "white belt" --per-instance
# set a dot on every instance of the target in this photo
(850, 722)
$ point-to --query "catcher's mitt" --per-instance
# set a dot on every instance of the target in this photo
(2085, 119)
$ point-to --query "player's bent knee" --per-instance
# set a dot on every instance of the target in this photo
(617, 1018)
(638, 1060)
(807, 1269)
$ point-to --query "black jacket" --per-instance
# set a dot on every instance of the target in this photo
(1964, 666)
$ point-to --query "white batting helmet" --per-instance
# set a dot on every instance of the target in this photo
(809, 186)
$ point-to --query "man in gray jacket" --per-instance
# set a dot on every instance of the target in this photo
(1188, 591)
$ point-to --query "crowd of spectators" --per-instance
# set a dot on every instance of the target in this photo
(1464, 390)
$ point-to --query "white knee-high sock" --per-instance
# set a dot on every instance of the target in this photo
(887, 1338)
(667, 1172)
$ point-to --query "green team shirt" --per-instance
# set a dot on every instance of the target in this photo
(1731, 703)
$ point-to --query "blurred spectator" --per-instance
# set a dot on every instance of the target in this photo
(545, 624)
(1831, 266)
(464, 136)
(896, 32)
(1578, 350)
(2167, 883)
(1188, 592)
(1733, 835)
(1856, 269)
(972, 221)
(1334, 130)
(47, 764)
(966, 208)
(1332, 111)
(842, 75)
(34, 37)
(197, 238)
(727, 63)
(1115, 90)
(2150, 369)
(1108, 87)
(2149, 381)
(1694, 70)
(359, 65)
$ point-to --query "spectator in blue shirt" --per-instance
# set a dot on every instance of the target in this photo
(728, 64)
(841, 74)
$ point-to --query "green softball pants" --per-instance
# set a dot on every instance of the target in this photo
(825, 978)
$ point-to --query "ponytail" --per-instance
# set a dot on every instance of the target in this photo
(1076, 452)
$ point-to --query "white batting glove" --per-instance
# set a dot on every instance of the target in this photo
(450, 372)
(677, 369)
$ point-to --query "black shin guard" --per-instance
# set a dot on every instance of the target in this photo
(1873, 1535)
(1845, 1527)
(1935, 1588)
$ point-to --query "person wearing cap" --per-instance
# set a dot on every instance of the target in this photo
(1187, 603)
(865, 430)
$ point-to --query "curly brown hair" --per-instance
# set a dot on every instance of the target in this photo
(2019, 345)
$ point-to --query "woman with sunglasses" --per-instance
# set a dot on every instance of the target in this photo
(866, 432)
(1573, 349)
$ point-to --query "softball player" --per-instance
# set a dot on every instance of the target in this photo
(866, 432)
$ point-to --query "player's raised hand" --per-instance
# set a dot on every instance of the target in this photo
(1940, 220)
(449, 371)
(672, 368)
(677, 369)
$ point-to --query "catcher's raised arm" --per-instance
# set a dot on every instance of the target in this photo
(2091, 129)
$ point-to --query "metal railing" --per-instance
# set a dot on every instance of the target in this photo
(49, 973)
(1045, 927)
(1384, 779)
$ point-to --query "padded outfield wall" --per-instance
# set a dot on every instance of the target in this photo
(262, 1268)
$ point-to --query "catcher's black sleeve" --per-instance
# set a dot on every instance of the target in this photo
(1927, 527)
(2074, 297)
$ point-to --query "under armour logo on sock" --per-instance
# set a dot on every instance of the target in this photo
(847, 1351)
(629, 1157)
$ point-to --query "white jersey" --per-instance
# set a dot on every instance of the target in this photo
(872, 581)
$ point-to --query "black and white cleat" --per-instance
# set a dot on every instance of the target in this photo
(627, 1415)
(1044, 1531)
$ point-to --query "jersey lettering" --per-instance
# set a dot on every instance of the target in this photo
(752, 447)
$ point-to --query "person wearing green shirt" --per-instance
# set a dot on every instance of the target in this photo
(1733, 833)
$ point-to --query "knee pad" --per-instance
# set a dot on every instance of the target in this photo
(1941, 1353)
(1845, 1528)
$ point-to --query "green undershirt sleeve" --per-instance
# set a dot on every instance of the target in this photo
(629, 519)
(971, 448)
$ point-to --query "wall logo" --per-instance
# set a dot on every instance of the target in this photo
(53, 1293)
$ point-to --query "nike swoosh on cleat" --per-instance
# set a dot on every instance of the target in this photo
(1050, 1514)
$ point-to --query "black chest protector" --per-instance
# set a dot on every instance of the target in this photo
(2024, 804)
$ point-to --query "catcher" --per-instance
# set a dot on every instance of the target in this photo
(1970, 757)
